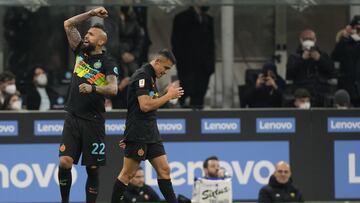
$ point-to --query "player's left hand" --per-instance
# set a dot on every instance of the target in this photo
(85, 88)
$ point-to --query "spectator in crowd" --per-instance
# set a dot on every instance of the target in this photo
(280, 187)
(302, 99)
(211, 167)
(7, 85)
(193, 44)
(12, 102)
(268, 88)
(138, 191)
(141, 16)
(127, 48)
(347, 53)
(39, 95)
(342, 99)
(310, 68)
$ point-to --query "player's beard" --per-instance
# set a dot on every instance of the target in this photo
(88, 48)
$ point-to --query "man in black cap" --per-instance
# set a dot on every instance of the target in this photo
(347, 53)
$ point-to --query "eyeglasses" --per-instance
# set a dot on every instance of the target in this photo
(283, 171)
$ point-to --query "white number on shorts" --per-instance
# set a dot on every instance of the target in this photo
(97, 146)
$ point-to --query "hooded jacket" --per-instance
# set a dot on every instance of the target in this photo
(277, 192)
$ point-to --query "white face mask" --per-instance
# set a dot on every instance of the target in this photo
(305, 105)
(355, 37)
(42, 79)
(16, 105)
(108, 108)
(308, 44)
(10, 89)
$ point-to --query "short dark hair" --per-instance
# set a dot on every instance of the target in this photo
(99, 26)
(302, 93)
(206, 162)
(342, 98)
(6, 76)
(167, 54)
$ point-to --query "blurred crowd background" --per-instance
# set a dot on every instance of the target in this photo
(299, 54)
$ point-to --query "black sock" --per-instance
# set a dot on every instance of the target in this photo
(118, 191)
(92, 184)
(65, 180)
(167, 190)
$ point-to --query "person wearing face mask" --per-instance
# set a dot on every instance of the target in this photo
(7, 85)
(193, 44)
(347, 53)
(40, 96)
(302, 99)
(268, 88)
(12, 102)
(280, 187)
(310, 68)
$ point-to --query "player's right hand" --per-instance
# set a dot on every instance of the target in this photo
(99, 12)
(175, 91)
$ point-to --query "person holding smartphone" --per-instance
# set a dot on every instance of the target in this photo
(310, 68)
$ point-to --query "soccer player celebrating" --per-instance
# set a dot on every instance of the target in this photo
(94, 75)
(142, 139)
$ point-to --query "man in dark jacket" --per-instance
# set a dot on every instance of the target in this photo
(193, 45)
(280, 187)
(138, 191)
(347, 53)
(268, 88)
(310, 68)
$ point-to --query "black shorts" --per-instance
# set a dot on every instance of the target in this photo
(86, 137)
(142, 151)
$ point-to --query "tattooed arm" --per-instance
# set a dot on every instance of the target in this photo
(72, 33)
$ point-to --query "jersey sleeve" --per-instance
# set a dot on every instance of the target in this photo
(142, 85)
(111, 67)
